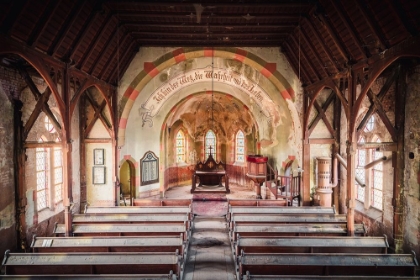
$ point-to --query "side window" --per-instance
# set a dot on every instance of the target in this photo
(240, 147)
(360, 170)
(180, 147)
(42, 177)
(377, 175)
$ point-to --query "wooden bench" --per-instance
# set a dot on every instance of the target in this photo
(243, 219)
(327, 264)
(249, 276)
(169, 276)
(280, 210)
(312, 244)
(92, 263)
(139, 210)
(109, 244)
(131, 218)
(256, 202)
(162, 202)
(308, 229)
(125, 230)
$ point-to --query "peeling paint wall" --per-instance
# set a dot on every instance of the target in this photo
(7, 171)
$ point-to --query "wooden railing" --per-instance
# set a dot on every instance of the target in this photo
(284, 187)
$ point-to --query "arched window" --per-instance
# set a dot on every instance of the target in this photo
(240, 147)
(58, 173)
(210, 144)
(360, 170)
(42, 176)
(370, 124)
(180, 146)
(377, 175)
(48, 125)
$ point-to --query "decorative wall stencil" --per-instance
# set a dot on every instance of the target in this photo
(149, 171)
(98, 175)
(220, 75)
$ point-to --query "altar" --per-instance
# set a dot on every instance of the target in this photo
(210, 174)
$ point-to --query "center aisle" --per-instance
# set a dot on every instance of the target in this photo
(210, 256)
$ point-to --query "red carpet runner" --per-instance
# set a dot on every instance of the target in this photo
(214, 205)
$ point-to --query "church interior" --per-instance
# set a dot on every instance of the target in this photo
(295, 107)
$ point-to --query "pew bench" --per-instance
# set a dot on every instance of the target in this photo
(165, 229)
(281, 230)
(249, 276)
(244, 219)
(139, 210)
(169, 276)
(109, 244)
(131, 218)
(327, 264)
(256, 202)
(312, 244)
(162, 202)
(92, 263)
(280, 210)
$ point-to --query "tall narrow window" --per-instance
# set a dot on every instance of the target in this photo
(58, 174)
(377, 174)
(49, 125)
(180, 147)
(240, 147)
(210, 144)
(360, 170)
(42, 177)
(370, 124)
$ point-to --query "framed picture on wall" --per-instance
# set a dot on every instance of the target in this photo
(98, 156)
(98, 175)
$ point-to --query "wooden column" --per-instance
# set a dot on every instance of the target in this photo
(351, 151)
(398, 162)
(19, 166)
(67, 150)
(306, 158)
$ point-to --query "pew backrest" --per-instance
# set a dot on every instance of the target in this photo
(312, 210)
(162, 202)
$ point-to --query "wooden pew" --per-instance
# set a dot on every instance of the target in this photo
(280, 230)
(109, 244)
(327, 264)
(244, 219)
(280, 210)
(126, 230)
(131, 218)
(256, 202)
(162, 202)
(312, 244)
(249, 276)
(139, 210)
(169, 276)
(91, 263)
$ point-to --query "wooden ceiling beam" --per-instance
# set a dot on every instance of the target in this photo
(95, 40)
(17, 6)
(167, 4)
(208, 17)
(65, 28)
(373, 25)
(148, 25)
(43, 21)
(210, 42)
(118, 70)
(321, 43)
(82, 34)
(322, 115)
(113, 55)
(303, 54)
(336, 41)
(104, 50)
(303, 70)
(195, 34)
(402, 17)
(349, 26)
(313, 50)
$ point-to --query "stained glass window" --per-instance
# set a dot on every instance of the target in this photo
(210, 144)
(180, 147)
(240, 147)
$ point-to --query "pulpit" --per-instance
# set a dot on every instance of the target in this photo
(257, 171)
(210, 173)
